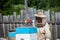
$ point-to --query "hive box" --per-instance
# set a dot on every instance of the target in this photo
(26, 33)
(11, 35)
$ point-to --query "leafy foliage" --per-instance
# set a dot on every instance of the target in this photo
(7, 6)
(17, 8)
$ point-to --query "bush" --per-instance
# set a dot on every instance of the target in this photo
(15, 8)
(56, 9)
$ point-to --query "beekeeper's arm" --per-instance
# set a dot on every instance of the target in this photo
(48, 33)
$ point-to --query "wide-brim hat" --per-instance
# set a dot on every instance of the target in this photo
(40, 14)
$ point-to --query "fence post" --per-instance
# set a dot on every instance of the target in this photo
(51, 24)
(55, 25)
(14, 17)
(4, 30)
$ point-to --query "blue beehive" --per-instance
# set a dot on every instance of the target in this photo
(11, 35)
(25, 30)
(26, 33)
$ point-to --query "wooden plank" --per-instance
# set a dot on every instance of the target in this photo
(4, 30)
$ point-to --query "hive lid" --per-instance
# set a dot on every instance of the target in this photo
(11, 34)
(26, 30)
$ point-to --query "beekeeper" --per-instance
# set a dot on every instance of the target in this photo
(43, 27)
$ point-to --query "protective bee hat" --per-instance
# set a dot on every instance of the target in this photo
(40, 14)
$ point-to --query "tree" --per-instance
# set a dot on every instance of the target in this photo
(15, 2)
(39, 4)
(5, 6)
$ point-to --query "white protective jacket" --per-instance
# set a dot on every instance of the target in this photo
(44, 32)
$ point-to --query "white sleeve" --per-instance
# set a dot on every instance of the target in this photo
(47, 30)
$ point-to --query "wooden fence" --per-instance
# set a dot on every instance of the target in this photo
(10, 22)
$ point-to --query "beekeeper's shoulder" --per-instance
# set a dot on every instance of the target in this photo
(46, 25)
